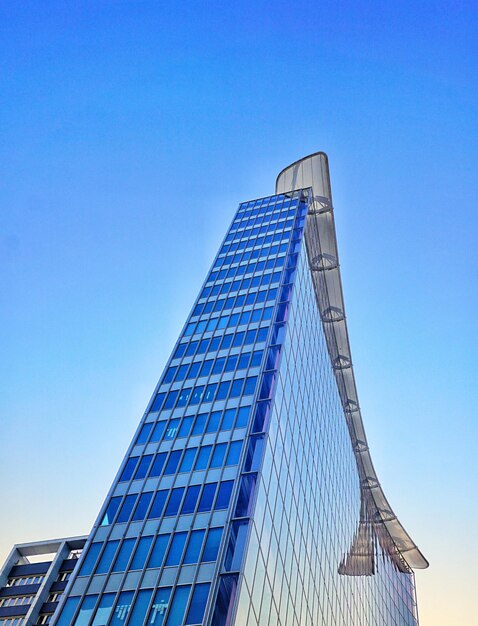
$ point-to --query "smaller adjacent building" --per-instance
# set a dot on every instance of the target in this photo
(33, 579)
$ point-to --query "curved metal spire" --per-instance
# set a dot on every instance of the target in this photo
(313, 171)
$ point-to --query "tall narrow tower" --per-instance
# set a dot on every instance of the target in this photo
(248, 496)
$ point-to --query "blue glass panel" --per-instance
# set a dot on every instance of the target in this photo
(111, 511)
(140, 607)
(173, 462)
(228, 419)
(158, 464)
(171, 430)
(168, 377)
(198, 604)
(250, 386)
(176, 548)
(86, 611)
(210, 392)
(236, 388)
(103, 611)
(159, 550)
(178, 606)
(185, 427)
(188, 459)
(213, 422)
(223, 390)
(246, 495)
(224, 495)
(160, 606)
(143, 467)
(158, 431)
(174, 501)
(218, 455)
(129, 469)
(158, 504)
(141, 553)
(199, 424)
(124, 554)
(236, 545)
(213, 542)
(190, 500)
(234, 453)
(68, 611)
(90, 559)
(144, 433)
(122, 608)
(207, 497)
(243, 416)
(143, 505)
(107, 557)
(194, 547)
(203, 457)
(171, 399)
(254, 453)
(158, 403)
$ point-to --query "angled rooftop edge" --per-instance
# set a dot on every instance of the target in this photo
(313, 171)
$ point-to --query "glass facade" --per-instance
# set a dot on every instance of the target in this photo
(239, 500)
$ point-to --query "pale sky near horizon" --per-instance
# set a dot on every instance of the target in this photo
(131, 131)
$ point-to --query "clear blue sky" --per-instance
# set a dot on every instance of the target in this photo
(130, 132)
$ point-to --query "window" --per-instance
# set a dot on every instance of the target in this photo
(157, 403)
(234, 453)
(107, 557)
(158, 464)
(236, 388)
(86, 611)
(90, 559)
(224, 495)
(111, 511)
(140, 606)
(228, 419)
(223, 390)
(159, 608)
(219, 365)
(190, 500)
(203, 458)
(122, 608)
(143, 467)
(144, 433)
(218, 455)
(159, 550)
(171, 430)
(168, 377)
(206, 368)
(141, 553)
(126, 508)
(207, 497)
(158, 432)
(173, 462)
(176, 548)
(198, 604)
(104, 609)
(213, 542)
(199, 424)
(185, 427)
(243, 416)
(68, 611)
(129, 469)
(194, 547)
(178, 606)
(250, 386)
(158, 504)
(213, 422)
(142, 507)
(174, 501)
(188, 459)
(124, 554)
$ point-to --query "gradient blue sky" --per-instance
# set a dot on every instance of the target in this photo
(131, 130)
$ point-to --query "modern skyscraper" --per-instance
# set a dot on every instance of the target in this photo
(248, 495)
